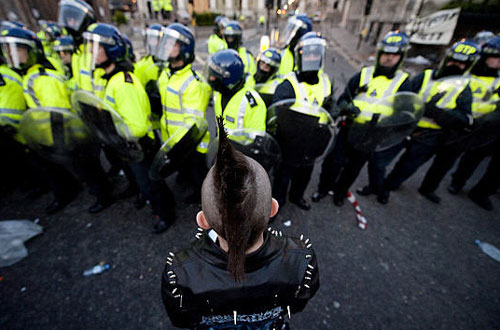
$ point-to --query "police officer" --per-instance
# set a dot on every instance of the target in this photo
(125, 94)
(64, 47)
(485, 71)
(370, 85)
(307, 84)
(184, 97)
(397, 42)
(148, 70)
(482, 75)
(157, 5)
(48, 34)
(216, 40)
(266, 78)
(446, 113)
(43, 87)
(233, 33)
(296, 27)
(76, 16)
(240, 105)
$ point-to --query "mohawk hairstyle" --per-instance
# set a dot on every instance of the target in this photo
(234, 201)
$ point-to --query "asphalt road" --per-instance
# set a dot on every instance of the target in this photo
(415, 266)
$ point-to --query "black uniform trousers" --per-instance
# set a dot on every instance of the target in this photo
(442, 163)
(297, 177)
(424, 145)
(333, 163)
(490, 182)
(355, 161)
(156, 191)
(377, 166)
(470, 161)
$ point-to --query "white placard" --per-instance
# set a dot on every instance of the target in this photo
(435, 29)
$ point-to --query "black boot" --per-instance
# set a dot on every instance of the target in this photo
(430, 195)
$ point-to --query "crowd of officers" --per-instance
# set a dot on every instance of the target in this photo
(161, 94)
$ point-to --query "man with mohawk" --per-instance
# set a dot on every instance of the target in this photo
(237, 274)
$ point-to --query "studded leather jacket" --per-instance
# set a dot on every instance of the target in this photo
(199, 292)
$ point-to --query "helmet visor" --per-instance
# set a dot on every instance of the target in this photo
(94, 50)
(71, 15)
(16, 51)
(170, 44)
(291, 28)
(152, 41)
(310, 54)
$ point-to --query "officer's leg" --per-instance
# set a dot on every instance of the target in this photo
(281, 181)
(355, 162)
(469, 161)
(489, 183)
(442, 163)
(300, 179)
(416, 155)
(377, 164)
(331, 167)
(196, 170)
(88, 167)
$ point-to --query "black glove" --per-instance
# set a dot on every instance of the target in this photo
(349, 110)
(431, 109)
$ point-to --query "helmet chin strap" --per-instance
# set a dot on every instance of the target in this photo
(104, 64)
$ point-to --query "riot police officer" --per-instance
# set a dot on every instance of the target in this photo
(485, 85)
(184, 98)
(233, 34)
(266, 79)
(216, 40)
(446, 113)
(43, 87)
(125, 94)
(296, 27)
(484, 81)
(64, 47)
(370, 85)
(310, 85)
(240, 105)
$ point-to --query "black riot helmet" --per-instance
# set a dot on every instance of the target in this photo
(310, 52)
(76, 16)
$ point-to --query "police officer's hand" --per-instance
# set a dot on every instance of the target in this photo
(352, 110)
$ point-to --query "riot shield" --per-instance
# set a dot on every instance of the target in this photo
(304, 132)
(177, 149)
(55, 134)
(255, 144)
(107, 125)
(386, 123)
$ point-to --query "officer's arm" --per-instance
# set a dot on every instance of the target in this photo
(52, 92)
(329, 103)
(195, 99)
(351, 90)
(284, 91)
(406, 86)
(132, 104)
(457, 118)
(416, 83)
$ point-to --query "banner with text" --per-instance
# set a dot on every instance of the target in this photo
(435, 29)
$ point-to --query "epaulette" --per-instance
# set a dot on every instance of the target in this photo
(251, 99)
(128, 77)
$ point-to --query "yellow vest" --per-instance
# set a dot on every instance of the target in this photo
(248, 61)
(184, 97)
(84, 79)
(430, 87)
(287, 63)
(245, 110)
(215, 43)
(378, 88)
(12, 103)
(310, 94)
(484, 94)
(130, 101)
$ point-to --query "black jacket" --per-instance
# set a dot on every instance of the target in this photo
(199, 292)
